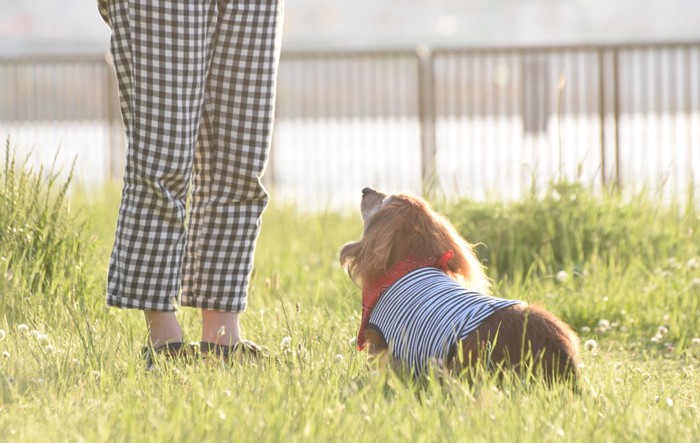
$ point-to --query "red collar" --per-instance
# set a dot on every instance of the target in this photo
(371, 291)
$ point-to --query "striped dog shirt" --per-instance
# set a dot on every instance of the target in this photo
(425, 313)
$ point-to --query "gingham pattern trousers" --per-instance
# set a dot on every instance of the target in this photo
(197, 84)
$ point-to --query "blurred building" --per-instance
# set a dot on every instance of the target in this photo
(41, 26)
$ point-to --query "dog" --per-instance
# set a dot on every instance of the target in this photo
(426, 300)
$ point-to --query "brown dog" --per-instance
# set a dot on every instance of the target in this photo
(425, 299)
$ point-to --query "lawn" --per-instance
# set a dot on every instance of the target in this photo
(623, 270)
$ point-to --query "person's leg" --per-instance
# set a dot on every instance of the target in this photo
(163, 328)
(160, 53)
(220, 327)
(227, 196)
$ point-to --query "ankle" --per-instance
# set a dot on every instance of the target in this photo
(163, 328)
(220, 328)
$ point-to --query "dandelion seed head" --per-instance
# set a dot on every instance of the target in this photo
(286, 342)
(585, 330)
(603, 324)
(562, 276)
(339, 358)
(591, 345)
(23, 327)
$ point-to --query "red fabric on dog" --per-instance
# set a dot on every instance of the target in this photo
(373, 290)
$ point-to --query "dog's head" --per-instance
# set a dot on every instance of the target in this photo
(397, 226)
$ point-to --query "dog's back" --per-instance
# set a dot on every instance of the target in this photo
(523, 338)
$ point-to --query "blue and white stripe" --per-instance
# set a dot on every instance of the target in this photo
(425, 313)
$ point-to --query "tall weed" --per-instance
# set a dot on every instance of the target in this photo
(42, 249)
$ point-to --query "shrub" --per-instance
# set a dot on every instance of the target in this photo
(568, 227)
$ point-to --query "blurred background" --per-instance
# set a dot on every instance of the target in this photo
(471, 98)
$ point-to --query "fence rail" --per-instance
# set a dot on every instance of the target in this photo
(469, 121)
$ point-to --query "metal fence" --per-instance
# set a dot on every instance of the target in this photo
(472, 122)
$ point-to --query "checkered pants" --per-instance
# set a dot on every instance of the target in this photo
(197, 87)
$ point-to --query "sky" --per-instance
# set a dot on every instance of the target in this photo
(70, 26)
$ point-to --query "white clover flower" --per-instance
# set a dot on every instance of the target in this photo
(23, 327)
(669, 402)
(6, 354)
(339, 358)
(656, 338)
(286, 342)
(591, 345)
(562, 276)
(695, 341)
(2, 334)
(663, 330)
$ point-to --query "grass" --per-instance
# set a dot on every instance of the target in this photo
(624, 271)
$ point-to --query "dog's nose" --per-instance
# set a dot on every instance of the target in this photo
(368, 190)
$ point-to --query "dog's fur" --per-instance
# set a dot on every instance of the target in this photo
(396, 226)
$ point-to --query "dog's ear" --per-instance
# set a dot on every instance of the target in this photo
(349, 257)
(376, 252)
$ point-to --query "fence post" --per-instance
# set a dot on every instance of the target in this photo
(116, 134)
(601, 114)
(616, 115)
(426, 114)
